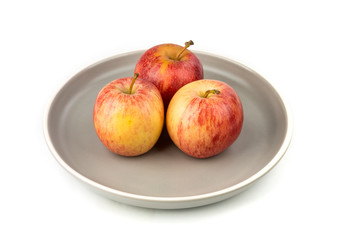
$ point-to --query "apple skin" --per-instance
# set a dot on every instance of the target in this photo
(129, 124)
(203, 127)
(159, 66)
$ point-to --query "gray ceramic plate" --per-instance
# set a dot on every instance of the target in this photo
(165, 177)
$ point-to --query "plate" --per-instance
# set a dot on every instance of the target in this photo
(165, 177)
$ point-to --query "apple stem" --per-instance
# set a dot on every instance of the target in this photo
(187, 44)
(136, 75)
(213, 91)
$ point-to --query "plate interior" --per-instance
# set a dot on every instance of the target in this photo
(165, 171)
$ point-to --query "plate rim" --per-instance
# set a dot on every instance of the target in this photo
(228, 190)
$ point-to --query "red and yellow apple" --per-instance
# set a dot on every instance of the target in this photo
(169, 67)
(204, 118)
(129, 116)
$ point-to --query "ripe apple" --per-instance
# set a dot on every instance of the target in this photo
(129, 116)
(169, 67)
(204, 118)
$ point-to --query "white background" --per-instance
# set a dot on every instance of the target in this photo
(308, 50)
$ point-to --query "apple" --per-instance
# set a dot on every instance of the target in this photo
(129, 116)
(169, 67)
(204, 118)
